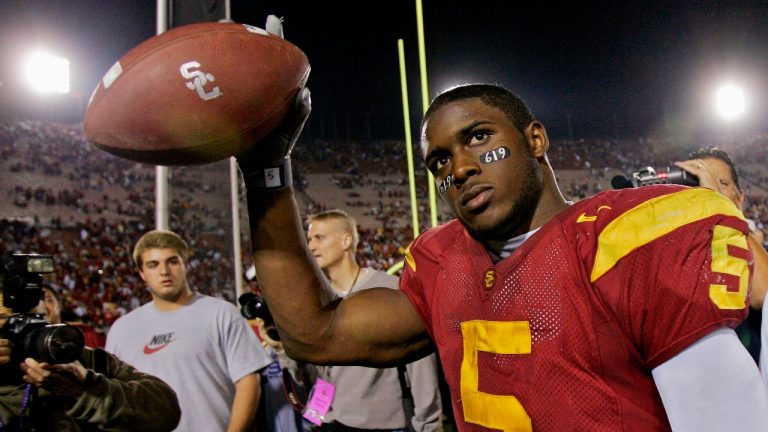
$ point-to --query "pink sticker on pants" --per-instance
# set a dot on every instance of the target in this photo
(319, 402)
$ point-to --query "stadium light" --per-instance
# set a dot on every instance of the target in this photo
(46, 73)
(730, 101)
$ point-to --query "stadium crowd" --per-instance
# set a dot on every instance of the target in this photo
(86, 207)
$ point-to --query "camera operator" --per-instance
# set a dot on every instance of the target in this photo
(87, 392)
(285, 386)
(50, 306)
(285, 383)
(716, 171)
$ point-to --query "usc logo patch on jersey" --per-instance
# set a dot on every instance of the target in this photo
(489, 279)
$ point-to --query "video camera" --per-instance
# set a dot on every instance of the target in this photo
(253, 306)
(30, 333)
(649, 176)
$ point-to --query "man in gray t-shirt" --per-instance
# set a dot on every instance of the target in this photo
(369, 398)
(201, 346)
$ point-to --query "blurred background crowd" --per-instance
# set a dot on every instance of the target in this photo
(62, 196)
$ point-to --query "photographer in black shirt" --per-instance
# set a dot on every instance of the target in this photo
(50, 382)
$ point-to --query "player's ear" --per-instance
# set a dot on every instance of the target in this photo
(141, 273)
(537, 139)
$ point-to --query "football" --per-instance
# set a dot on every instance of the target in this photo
(195, 94)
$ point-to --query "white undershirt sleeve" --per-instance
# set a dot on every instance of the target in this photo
(764, 347)
(713, 385)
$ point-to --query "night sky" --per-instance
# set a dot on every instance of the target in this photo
(586, 68)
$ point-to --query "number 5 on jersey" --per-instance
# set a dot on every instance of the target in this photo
(723, 262)
(502, 412)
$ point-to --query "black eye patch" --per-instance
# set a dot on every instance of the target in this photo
(445, 184)
(495, 155)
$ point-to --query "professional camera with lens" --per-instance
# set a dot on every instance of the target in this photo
(649, 176)
(253, 306)
(30, 333)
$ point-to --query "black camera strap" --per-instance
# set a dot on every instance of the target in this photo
(289, 385)
(297, 398)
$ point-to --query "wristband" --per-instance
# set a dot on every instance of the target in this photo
(276, 176)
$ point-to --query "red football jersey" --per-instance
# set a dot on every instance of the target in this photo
(562, 335)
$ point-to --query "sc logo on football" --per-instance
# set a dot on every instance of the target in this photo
(199, 80)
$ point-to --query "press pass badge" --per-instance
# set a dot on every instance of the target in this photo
(319, 401)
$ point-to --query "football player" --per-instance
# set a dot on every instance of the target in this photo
(612, 314)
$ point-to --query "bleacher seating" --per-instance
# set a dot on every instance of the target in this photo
(87, 208)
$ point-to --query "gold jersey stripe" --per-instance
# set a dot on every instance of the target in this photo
(653, 219)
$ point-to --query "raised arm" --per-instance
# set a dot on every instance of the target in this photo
(374, 327)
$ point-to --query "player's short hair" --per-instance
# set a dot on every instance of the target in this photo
(160, 239)
(348, 222)
(714, 152)
(493, 95)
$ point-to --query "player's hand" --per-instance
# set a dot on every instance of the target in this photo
(276, 147)
(5, 351)
(707, 176)
(66, 380)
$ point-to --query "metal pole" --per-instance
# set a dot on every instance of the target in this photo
(161, 172)
(234, 186)
(235, 197)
